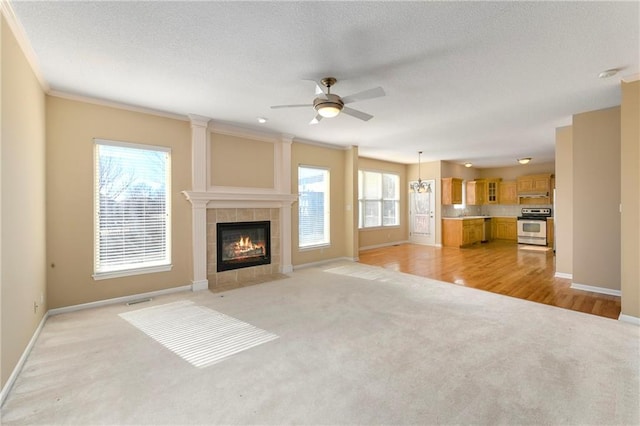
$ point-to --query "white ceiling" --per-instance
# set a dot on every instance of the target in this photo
(486, 82)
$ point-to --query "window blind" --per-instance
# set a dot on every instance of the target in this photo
(132, 208)
(313, 206)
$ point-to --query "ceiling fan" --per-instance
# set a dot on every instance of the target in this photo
(328, 105)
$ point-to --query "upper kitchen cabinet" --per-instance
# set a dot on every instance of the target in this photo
(491, 195)
(451, 191)
(535, 189)
(508, 193)
(476, 190)
(534, 184)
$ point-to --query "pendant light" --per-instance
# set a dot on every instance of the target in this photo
(420, 185)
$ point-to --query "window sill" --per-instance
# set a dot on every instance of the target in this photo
(314, 247)
(379, 228)
(130, 272)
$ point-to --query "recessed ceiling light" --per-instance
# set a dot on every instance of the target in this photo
(468, 164)
(262, 120)
(524, 160)
(608, 73)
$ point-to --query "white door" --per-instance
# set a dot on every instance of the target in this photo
(422, 214)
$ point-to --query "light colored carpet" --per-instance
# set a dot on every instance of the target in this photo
(358, 345)
(197, 334)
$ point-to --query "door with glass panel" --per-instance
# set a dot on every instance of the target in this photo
(422, 215)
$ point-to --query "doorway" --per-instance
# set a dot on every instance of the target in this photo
(422, 217)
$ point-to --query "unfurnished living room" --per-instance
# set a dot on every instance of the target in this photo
(319, 213)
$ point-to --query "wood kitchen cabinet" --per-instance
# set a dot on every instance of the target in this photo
(540, 183)
(508, 193)
(491, 191)
(451, 190)
(504, 228)
(550, 232)
(461, 232)
(476, 190)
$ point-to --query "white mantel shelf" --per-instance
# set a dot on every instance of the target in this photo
(239, 197)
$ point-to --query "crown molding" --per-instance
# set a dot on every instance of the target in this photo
(21, 36)
(630, 78)
(119, 105)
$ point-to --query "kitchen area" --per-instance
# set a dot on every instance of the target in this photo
(476, 211)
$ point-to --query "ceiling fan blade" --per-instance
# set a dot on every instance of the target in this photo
(316, 119)
(366, 94)
(291, 106)
(357, 114)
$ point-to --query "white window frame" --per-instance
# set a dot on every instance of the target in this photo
(362, 199)
(326, 238)
(109, 271)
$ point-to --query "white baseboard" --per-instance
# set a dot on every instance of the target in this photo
(563, 275)
(375, 246)
(322, 262)
(18, 368)
(286, 269)
(123, 299)
(199, 285)
(628, 318)
(601, 290)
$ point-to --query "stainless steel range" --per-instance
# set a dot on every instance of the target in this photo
(532, 226)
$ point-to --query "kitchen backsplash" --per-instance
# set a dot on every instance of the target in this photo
(489, 210)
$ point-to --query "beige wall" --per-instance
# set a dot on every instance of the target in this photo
(380, 236)
(630, 193)
(564, 201)
(596, 198)
(241, 162)
(22, 203)
(512, 172)
(71, 127)
(334, 160)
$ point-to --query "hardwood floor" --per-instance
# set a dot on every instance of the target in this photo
(498, 267)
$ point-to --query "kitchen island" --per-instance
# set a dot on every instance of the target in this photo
(464, 231)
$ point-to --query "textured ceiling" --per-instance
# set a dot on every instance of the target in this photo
(486, 82)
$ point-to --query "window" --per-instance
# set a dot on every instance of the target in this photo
(132, 209)
(379, 199)
(313, 207)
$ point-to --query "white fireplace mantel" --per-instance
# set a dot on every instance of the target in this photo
(203, 196)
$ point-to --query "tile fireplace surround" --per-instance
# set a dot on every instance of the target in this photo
(211, 204)
(225, 279)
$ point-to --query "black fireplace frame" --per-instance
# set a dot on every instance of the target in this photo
(254, 261)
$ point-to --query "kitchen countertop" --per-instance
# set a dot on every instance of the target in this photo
(475, 217)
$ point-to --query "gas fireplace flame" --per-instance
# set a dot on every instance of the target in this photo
(243, 248)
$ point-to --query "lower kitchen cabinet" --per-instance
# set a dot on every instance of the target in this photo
(461, 232)
(504, 228)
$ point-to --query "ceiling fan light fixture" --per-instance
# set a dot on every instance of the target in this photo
(467, 164)
(329, 107)
(524, 160)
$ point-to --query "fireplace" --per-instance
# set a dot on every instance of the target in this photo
(243, 244)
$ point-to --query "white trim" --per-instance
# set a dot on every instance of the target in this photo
(286, 269)
(375, 246)
(601, 290)
(115, 300)
(23, 41)
(563, 275)
(322, 262)
(200, 285)
(25, 354)
(628, 318)
(130, 272)
(117, 105)
(243, 132)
